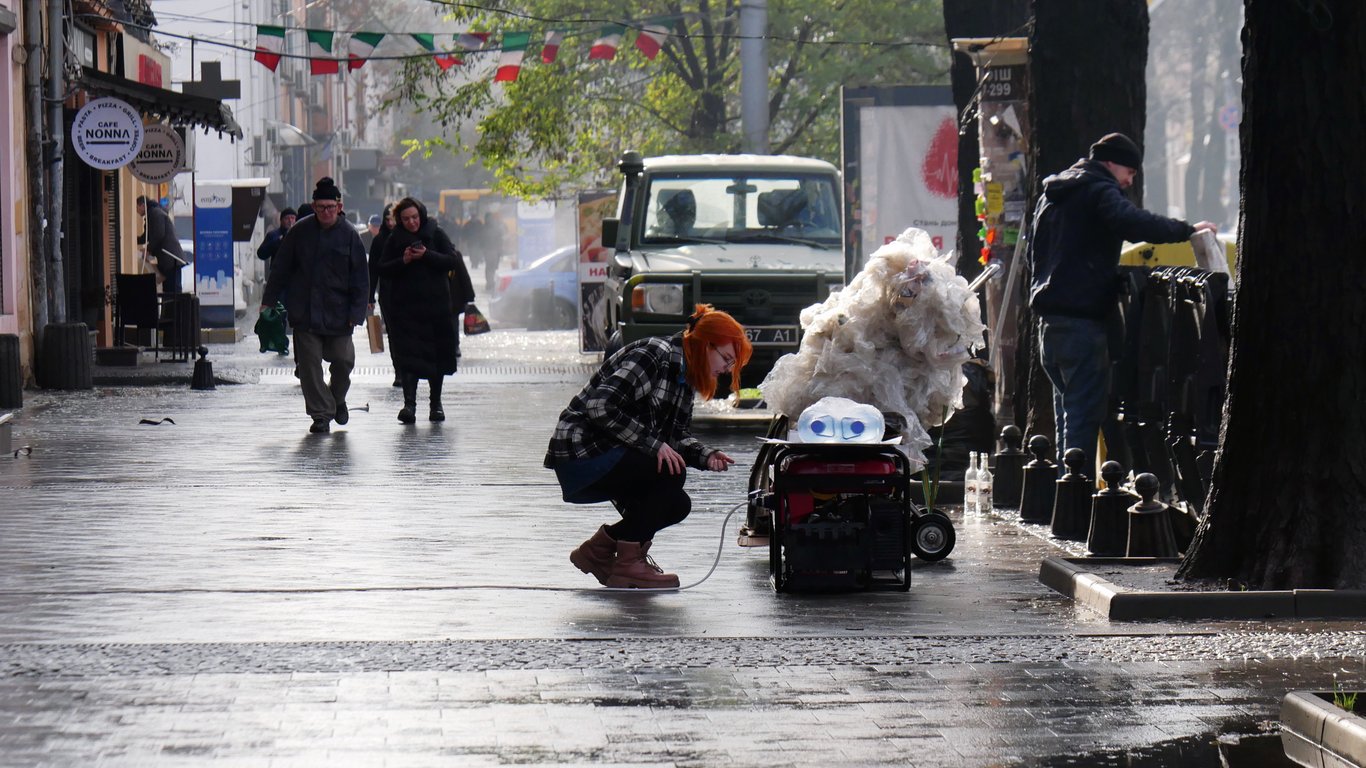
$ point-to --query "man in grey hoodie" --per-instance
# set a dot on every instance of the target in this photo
(1080, 224)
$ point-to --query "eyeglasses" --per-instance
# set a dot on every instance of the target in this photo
(326, 208)
(729, 360)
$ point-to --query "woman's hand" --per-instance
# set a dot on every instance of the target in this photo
(669, 459)
(719, 462)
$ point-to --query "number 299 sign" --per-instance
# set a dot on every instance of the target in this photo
(107, 133)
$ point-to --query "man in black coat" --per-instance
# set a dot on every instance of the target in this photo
(163, 247)
(321, 267)
(1080, 224)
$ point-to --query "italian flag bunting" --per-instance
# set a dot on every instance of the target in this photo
(428, 41)
(510, 60)
(605, 47)
(360, 46)
(471, 41)
(320, 61)
(270, 43)
(651, 39)
(551, 49)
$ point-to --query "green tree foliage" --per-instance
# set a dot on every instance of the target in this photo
(565, 124)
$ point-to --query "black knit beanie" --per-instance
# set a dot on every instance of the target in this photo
(1118, 148)
(326, 189)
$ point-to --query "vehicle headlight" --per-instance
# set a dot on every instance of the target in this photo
(662, 299)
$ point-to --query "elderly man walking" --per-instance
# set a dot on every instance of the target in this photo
(322, 270)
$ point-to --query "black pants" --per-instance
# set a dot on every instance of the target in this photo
(647, 499)
(409, 382)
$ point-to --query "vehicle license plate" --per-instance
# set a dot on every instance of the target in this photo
(773, 335)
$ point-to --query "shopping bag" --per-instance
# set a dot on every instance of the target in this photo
(270, 327)
(475, 322)
(374, 327)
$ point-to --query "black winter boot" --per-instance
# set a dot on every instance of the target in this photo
(408, 413)
(436, 413)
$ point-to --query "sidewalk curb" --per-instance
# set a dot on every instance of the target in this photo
(1315, 731)
(1071, 576)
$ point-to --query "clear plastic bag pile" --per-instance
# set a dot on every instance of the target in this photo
(895, 338)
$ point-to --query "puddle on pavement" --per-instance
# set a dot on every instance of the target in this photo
(1244, 744)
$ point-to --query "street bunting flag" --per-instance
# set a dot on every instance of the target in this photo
(551, 49)
(471, 41)
(510, 60)
(360, 46)
(325, 56)
(270, 43)
(320, 61)
(651, 39)
(428, 41)
(605, 47)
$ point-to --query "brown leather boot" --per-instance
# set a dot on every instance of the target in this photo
(635, 568)
(596, 555)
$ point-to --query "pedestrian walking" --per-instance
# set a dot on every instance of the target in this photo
(372, 227)
(376, 253)
(271, 244)
(416, 297)
(1082, 220)
(624, 438)
(491, 233)
(321, 268)
(163, 247)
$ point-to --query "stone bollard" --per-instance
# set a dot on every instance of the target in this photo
(203, 371)
(1040, 481)
(1072, 501)
(1150, 530)
(1009, 474)
(1109, 533)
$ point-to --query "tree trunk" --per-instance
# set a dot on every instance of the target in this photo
(1086, 70)
(1287, 505)
(974, 18)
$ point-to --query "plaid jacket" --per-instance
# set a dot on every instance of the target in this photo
(639, 399)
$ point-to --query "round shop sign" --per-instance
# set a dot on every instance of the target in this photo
(162, 155)
(107, 133)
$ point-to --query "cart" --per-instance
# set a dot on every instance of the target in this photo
(839, 516)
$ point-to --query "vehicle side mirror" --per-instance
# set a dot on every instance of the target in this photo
(609, 233)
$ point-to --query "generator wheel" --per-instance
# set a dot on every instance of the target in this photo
(932, 536)
(777, 569)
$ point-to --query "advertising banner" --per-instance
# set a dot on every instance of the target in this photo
(900, 167)
(213, 252)
(593, 258)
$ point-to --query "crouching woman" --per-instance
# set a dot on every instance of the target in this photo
(625, 439)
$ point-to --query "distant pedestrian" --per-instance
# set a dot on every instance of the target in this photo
(305, 210)
(322, 266)
(387, 225)
(491, 232)
(624, 438)
(271, 244)
(415, 295)
(163, 247)
(367, 238)
(1081, 221)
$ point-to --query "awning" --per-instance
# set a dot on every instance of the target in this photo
(173, 106)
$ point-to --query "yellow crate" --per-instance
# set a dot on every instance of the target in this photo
(1171, 254)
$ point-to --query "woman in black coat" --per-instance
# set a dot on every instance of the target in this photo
(417, 273)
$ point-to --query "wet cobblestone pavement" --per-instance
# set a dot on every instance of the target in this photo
(230, 590)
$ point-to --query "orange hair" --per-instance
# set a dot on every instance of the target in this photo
(709, 327)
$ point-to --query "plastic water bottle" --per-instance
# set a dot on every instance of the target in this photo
(840, 420)
(970, 485)
(983, 486)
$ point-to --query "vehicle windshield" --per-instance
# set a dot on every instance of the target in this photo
(771, 207)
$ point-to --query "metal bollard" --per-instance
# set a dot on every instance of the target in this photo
(203, 371)
(1072, 501)
(1009, 474)
(1040, 478)
(1150, 530)
(1109, 532)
